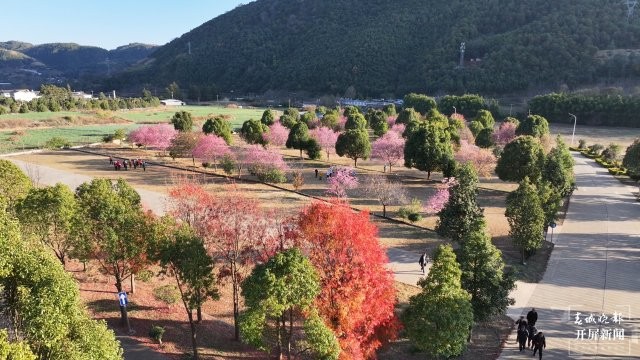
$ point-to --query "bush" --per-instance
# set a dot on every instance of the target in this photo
(56, 143)
(582, 144)
(206, 165)
(413, 217)
(145, 275)
(596, 149)
(120, 134)
(107, 138)
(228, 164)
(273, 176)
(156, 333)
(167, 293)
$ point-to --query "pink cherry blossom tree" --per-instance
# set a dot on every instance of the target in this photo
(399, 128)
(342, 120)
(326, 138)
(210, 148)
(504, 134)
(341, 180)
(389, 148)
(277, 135)
(386, 192)
(391, 120)
(483, 160)
(457, 116)
(437, 201)
(153, 136)
(259, 160)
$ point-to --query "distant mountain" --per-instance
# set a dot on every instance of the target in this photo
(27, 65)
(387, 48)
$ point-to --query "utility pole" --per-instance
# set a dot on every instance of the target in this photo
(631, 7)
(575, 120)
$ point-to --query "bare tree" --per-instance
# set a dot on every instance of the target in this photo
(385, 191)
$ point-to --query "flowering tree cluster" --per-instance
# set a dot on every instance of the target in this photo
(483, 160)
(386, 192)
(154, 136)
(341, 180)
(277, 134)
(437, 201)
(210, 148)
(391, 120)
(342, 121)
(505, 133)
(326, 138)
(389, 148)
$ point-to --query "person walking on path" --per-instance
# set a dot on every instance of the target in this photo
(144, 165)
(539, 343)
(523, 333)
(532, 317)
(532, 333)
(110, 160)
(423, 261)
(316, 173)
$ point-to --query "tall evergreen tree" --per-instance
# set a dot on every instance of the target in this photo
(354, 144)
(461, 215)
(438, 320)
(427, 147)
(526, 217)
(523, 157)
(483, 274)
(298, 137)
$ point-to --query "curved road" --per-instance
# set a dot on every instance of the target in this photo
(593, 270)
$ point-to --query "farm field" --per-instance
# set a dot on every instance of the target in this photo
(31, 130)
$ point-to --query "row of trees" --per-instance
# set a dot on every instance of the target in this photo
(608, 110)
(40, 299)
(322, 268)
(53, 98)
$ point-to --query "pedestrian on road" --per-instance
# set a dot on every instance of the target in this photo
(110, 160)
(144, 165)
(539, 343)
(532, 316)
(316, 173)
(423, 261)
(125, 164)
(384, 168)
(522, 333)
(532, 333)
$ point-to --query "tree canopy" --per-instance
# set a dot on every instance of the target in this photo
(427, 148)
(520, 158)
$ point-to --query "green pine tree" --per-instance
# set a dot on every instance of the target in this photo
(526, 217)
(438, 320)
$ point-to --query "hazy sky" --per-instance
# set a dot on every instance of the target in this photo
(107, 24)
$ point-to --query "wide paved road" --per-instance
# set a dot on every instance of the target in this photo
(593, 270)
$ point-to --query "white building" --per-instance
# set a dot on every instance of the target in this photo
(81, 95)
(172, 102)
(25, 95)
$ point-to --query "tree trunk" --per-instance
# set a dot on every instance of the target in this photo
(290, 334)
(301, 154)
(236, 305)
(199, 312)
(124, 318)
(133, 283)
(194, 342)
(355, 162)
(279, 340)
(384, 210)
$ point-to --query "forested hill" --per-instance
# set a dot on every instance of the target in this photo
(25, 64)
(383, 47)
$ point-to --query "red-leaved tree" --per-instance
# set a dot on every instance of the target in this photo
(277, 135)
(153, 136)
(483, 160)
(389, 148)
(358, 294)
(326, 138)
(341, 180)
(210, 148)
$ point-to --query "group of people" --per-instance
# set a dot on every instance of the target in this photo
(127, 164)
(528, 334)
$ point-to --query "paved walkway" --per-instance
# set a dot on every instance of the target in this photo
(593, 270)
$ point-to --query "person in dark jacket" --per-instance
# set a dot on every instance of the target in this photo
(532, 333)
(539, 343)
(523, 333)
(532, 317)
(423, 261)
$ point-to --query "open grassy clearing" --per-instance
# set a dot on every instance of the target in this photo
(596, 134)
(163, 114)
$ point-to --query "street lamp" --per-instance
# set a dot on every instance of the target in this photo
(454, 110)
(575, 120)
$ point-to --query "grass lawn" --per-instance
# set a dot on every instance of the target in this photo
(35, 138)
(201, 113)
